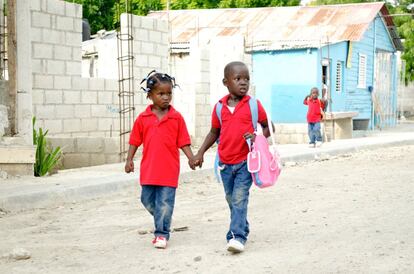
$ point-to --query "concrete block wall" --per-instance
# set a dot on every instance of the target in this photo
(291, 133)
(406, 100)
(87, 151)
(4, 97)
(71, 106)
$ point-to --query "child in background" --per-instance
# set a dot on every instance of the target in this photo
(314, 116)
(236, 126)
(162, 131)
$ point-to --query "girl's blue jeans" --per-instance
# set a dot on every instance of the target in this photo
(237, 181)
(314, 132)
(159, 201)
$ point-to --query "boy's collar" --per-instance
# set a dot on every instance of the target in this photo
(171, 112)
(226, 98)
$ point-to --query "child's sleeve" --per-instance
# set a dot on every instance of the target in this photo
(305, 102)
(136, 136)
(215, 122)
(183, 136)
(261, 112)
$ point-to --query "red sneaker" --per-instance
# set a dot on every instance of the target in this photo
(160, 242)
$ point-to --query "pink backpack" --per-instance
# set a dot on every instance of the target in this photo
(263, 161)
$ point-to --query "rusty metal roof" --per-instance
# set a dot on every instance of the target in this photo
(275, 27)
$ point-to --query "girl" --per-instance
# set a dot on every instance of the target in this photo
(162, 131)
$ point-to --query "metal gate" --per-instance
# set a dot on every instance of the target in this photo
(383, 97)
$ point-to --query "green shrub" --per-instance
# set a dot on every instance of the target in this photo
(46, 158)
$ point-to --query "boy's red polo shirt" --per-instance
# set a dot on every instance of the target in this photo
(160, 164)
(232, 147)
(314, 110)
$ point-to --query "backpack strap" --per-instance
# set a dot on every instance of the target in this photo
(219, 107)
(254, 109)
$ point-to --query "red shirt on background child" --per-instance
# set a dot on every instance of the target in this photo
(314, 111)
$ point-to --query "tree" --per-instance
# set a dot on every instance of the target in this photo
(257, 3)
(137, 7)
(100, 13)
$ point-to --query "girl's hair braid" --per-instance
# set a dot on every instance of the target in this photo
(154, 78)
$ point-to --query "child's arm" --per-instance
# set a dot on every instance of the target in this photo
(305, 101)
(189, 153)
(129, 165)
(210, 139)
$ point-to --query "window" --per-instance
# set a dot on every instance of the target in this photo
(338, 85)
(362, 71)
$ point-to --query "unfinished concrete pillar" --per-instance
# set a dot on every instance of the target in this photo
(24, 71)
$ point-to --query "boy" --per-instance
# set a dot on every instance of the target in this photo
(235, 127)
(314, 116)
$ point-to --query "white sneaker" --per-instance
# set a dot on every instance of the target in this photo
(235, 246)
(318, 144)
(311, 145)
(160, 242)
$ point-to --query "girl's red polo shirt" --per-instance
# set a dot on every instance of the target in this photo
(232, 147)
(160, 164)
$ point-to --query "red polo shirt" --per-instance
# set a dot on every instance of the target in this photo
(160, 164)
(232, 147)
(314, 110)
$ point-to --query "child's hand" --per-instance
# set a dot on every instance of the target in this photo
(198, 160)
(129, 166)
(250, 136)
(192, 163)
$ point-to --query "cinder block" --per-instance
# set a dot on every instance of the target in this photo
(100, 111)
(89, 124)
(55, 67)
(113, 158)
(141, 35)
(90, 144)
(162, 25)
(62, 52)
(41, 20)
(147, 48)
(70, 9)
(111, 145)
(73, 39)
(35, 5)
(38, 97)
(97, 159)
(41, 50)
(105, 98)
(162, 50)
(53, 125)
(283, 139)
(82, 111)
(71, 125)
(71, 97)
(36, 34)
(65, 111)
(77, 53)
(64, 23)
(105, 124)
(39, 66)
(42, 81)
(111, 85)
(154, 61)
(53, 96)
(53, 36)
(155, 36)
(96, 84)
(76, 160)
(296, 138)
(141, 60)
(56, 7)
(147, 23)
(45, 111)
(63, 82)
(77, 25)
(89, 97)
(97, 134)
(73, 68)
(67, 145)
(165, 39)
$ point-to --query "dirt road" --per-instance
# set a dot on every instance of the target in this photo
(352, 214)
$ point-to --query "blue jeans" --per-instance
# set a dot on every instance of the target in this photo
(314, 132)
(237, 181)
(159, 201)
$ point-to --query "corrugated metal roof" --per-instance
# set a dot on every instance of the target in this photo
(276, 27)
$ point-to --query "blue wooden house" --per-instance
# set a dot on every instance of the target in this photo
(349, 49)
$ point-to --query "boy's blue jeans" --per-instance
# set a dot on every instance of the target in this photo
(314, 132)
(237, 181)
(159, 201)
